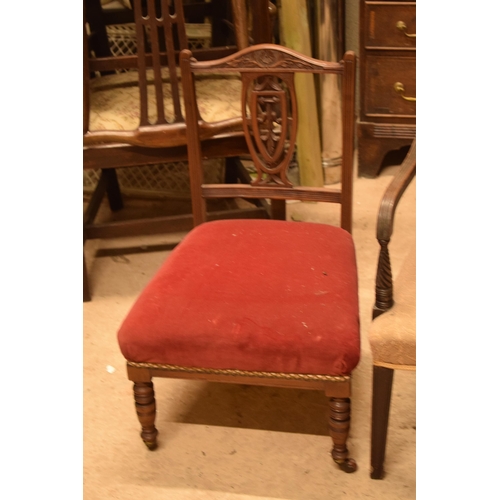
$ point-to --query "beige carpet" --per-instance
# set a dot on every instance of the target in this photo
(219, 441)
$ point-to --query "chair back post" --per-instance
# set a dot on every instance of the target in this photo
(94, 15)
(348, 114)
(239, 11)
(193, 140)
(86, 75)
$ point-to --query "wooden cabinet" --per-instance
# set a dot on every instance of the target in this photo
(387, 119)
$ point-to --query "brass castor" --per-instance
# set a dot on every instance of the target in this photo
(348, 465)
(151, 445)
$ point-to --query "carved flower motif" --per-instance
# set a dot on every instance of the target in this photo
(267, 58)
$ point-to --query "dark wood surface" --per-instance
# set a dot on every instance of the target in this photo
(387, 58)
(381, 405)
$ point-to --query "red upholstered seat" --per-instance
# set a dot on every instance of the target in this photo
(256, 295)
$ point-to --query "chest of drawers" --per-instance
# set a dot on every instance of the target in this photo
(387, 118)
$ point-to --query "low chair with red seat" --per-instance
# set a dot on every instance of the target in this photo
(264, 302)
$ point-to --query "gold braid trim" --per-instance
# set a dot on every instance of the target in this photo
(243, 373)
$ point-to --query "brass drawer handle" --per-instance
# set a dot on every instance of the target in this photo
(400, 25)
(400, 89)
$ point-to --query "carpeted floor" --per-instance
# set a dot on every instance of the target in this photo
(221, 441)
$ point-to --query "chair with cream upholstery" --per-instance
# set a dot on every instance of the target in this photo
(259, 302)
(134, 117)
(392, 333)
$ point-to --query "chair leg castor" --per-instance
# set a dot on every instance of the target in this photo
(348, 465)
(151, 445)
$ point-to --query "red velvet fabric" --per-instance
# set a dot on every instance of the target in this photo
(256, 295)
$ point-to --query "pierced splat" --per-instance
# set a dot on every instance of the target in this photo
(269, 126)
(155, 22)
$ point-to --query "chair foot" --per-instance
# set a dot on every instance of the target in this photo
(151, 445)
(349, 465)
(377, 473)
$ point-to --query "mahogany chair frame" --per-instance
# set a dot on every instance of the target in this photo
(158, 142)
(383, 375)
(275, 62)
(385, 227)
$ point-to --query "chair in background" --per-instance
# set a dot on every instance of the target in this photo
(133, 113)
(260, 302)
(393, 331)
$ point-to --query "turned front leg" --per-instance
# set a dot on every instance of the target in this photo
(145, 406)
(340, 409)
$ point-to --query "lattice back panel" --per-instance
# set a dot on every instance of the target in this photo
(165, 180)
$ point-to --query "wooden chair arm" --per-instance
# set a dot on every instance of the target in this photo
(385, 224)
(402, 179)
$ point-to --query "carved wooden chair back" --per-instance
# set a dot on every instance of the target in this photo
(269, 116)
(135, 118)
(150, 21)
(160, 32)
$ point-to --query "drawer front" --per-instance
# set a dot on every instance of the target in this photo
(390, 25)
(381, 75)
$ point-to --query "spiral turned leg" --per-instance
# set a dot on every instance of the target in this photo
(145, 406)
(339, 420)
